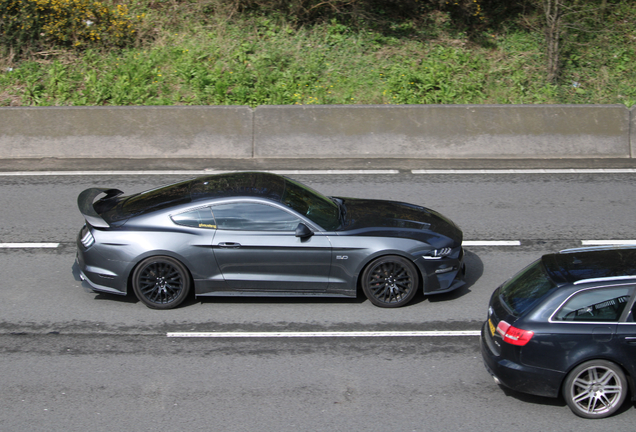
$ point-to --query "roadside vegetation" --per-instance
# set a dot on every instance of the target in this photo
(275, 52)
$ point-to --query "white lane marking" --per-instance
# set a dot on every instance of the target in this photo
(528, 171)
(607, 242)
(28, 245)
(491, 243)
(193, 172)
(106, 173)
(308, 172)
(322, 334)
(324, 172)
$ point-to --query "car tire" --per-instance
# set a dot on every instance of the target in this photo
(595, 389)
(161, 282)
(390, 281)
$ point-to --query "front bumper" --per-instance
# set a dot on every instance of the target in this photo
(516, 376)
(444, 275)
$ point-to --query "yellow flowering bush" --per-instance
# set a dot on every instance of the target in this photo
(69, 23)
(467, 12)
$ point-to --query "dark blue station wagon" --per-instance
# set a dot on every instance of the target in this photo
(564, 326)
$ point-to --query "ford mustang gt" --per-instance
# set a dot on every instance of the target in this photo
(260, 234)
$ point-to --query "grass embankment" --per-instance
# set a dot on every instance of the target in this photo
(186, 55)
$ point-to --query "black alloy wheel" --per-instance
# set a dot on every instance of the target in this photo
(390, 281)
(595, 389)
(161, 282)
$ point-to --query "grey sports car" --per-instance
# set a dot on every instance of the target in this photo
(260, 234)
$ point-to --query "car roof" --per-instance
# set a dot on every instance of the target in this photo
(578, 265)
(253, 184)
(246, 184)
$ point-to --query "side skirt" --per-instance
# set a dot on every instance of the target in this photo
(270, 294)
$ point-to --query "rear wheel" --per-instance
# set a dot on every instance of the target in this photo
(161, 282)
(390, 281)
(595, 389)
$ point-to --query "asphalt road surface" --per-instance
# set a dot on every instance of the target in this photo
(74, 360)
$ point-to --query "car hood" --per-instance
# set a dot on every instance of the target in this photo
(367, 215)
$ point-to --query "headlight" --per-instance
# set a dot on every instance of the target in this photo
(438, 253)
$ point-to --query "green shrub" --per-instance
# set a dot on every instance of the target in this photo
(445, 76)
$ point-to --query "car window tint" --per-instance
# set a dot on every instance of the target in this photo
(199, 218)
(312, 204)
(596, 305)
(253, 217)
(526, 288)
(152, 200)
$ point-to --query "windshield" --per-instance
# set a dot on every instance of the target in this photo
(526, 288)
(320, 209)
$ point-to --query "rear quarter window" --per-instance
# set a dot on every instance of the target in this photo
(199, 218)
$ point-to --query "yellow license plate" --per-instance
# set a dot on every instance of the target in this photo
(491, 327)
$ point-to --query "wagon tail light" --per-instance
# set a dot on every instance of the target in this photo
(513, 335)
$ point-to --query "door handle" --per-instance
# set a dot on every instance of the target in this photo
(630, 340)
(230, 244)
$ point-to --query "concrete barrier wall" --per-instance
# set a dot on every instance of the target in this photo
(443, 131)
(373, 131)
(126, 132)
(632, 135)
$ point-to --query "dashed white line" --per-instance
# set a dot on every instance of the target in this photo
(341, 172)
(327, 172)
(491, 243)
(106, 173)
(193, 172)
(331, 334)
(28, 245)
(607, 242)
(528, 171)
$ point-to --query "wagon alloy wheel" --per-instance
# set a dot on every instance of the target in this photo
(161, 282)
(595, 389)
(390, 281)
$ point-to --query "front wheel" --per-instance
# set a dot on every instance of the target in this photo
(161, 282)
(595, 389)
(390, 281)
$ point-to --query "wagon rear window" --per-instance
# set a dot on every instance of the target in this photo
(526, 288)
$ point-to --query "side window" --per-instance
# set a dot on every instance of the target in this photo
(595, 305)
(199, 218)
(253, 217)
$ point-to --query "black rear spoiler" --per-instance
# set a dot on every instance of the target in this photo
(85, 202)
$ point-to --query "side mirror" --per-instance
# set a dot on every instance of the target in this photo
(303, 231)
